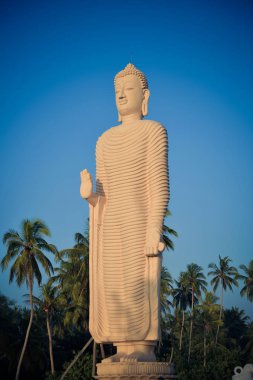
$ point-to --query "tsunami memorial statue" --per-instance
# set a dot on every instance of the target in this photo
(127, 210)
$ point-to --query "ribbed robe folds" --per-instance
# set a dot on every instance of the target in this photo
(132, 181)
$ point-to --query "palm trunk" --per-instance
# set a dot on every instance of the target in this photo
(28, 329)
(49, 331)
(181, 333)
(190, 341)
(94, 358)
(221, 308)
(76, 358)
(171, 355)
(191, 325)
(204, 347)
(102, 351)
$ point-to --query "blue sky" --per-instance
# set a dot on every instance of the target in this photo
(58, 60)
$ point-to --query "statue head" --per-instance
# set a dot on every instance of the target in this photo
(132, 93)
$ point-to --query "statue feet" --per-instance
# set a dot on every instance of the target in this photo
(114, 358)
(132, 353)
(138, 356)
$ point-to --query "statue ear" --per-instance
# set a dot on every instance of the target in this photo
(119, 118)
(144, 107)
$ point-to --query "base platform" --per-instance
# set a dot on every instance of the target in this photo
(135, 371)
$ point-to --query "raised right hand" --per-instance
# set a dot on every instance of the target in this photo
(86, 188)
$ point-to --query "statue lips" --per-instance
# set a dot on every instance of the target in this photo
(122, 102)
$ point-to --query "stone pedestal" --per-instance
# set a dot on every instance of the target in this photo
(135, 371)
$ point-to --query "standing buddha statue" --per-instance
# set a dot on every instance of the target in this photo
(126, 218)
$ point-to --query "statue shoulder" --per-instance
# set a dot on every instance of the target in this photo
(104, 135)
(155, 126)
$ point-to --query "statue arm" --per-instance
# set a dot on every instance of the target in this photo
(158, 187)
(86, 188)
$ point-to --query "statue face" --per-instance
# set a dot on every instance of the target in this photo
(129, 95)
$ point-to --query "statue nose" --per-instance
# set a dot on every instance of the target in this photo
(122, 94)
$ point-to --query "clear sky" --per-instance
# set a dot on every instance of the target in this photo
(58, 60)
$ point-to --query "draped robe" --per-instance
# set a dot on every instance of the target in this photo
(132, 184)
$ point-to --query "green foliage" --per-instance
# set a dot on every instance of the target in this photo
(72, 279)
(81, 370)
(226, 276)
(167, 232)
(182, 294)
(220, 364)
(27, 249)
(248, 344)
(195, 278)
(235, 325)
(13, 325)
(166, 290)
(191, 317)
(247, 277)
(223, 274)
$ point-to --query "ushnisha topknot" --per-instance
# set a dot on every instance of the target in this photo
(130, 69)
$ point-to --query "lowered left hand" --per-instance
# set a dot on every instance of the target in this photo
(154, 246)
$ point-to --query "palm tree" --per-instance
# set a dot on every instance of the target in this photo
(195, 280)
(235, 325)
(166, 290)
(73, 279)
(247, 290)
(49, 302)
(166, 278)
(166, 232)
(248, 347)
(208, 319)
(169, 328)
(225, 276)
(182, 298)
(27, 250)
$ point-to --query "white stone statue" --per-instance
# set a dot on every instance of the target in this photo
(126, 217)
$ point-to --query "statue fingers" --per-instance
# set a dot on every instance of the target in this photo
(155, 250)
(83, 173)
(161, 246)
(151, 251)
(147, 250)
(86, 176)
